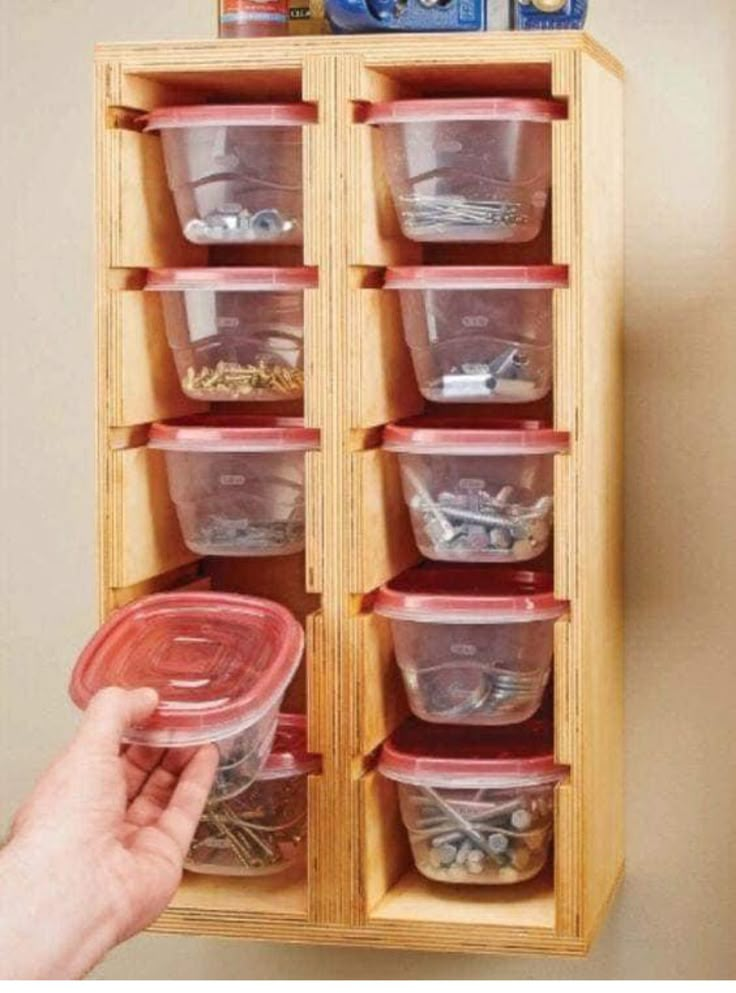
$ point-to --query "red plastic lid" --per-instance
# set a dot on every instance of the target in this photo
(467, 109)
(471, 436)
(421, 277)
(219, 662)
(233, 433)
(461, 594)
(234, 279)
(241, 115)
(456, 756)
(289, 755)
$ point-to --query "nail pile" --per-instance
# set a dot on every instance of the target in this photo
(439, 214)
(258, 831)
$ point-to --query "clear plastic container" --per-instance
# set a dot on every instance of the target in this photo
(221, 664)
(475, 493)
(236, 334)
(235, 170)
(474, 645)
(237, 482)
(262, 830)
(479, 334)
(468, 169)
(478, 804)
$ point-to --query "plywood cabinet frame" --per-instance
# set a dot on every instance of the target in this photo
(360, 887)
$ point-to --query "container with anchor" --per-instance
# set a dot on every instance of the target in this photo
(474, 645)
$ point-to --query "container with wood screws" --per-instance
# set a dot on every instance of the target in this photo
(263, 829)
(478, 804)
(236, 333)
(477, 494)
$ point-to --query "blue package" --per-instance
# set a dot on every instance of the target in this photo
(550, 15)
(358, 16)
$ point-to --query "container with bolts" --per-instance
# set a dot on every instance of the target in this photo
(475, 492)
(478, 804)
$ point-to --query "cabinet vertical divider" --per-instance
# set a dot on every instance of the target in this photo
(360, 888)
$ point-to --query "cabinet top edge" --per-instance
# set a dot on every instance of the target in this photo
(376, 50)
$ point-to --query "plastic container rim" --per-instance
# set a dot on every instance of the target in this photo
(232, 115)
(530, 109)
(236, 433)
(236, 279)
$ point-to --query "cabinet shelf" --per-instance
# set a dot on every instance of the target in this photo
(359, 886)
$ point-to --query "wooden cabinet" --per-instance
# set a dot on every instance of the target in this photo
(361, 887)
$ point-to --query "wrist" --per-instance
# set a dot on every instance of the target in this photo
(42, 894)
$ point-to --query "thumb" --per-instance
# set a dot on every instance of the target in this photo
(111, 712)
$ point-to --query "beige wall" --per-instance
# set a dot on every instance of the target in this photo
(676, 914)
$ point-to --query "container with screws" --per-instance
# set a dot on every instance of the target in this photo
(263, 829)
(474, 645)
(236, 333)
(469, 169)
(477, 493)
(235, 171)
(220, 663)
(478, 804)
(238, 482)
(479, 334)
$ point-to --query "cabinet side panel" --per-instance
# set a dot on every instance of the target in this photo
(600, 482)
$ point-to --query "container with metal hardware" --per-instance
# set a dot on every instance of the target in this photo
(480, 334)
(237, 482)
(477, 803)
(468, 169)
(474, 645)
(262, 830)
(236, 333)
(235, 170)
(220, 663)
(477, 492)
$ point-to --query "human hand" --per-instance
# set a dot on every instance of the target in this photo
(96, 851)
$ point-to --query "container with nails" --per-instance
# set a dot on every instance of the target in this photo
(477, 492)
(468, 169)
(477, 803)
(236, 333)
(235, 170)
(474, 645)
(262, 830)
(220, 663)
(480, 334)
(238, 482)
